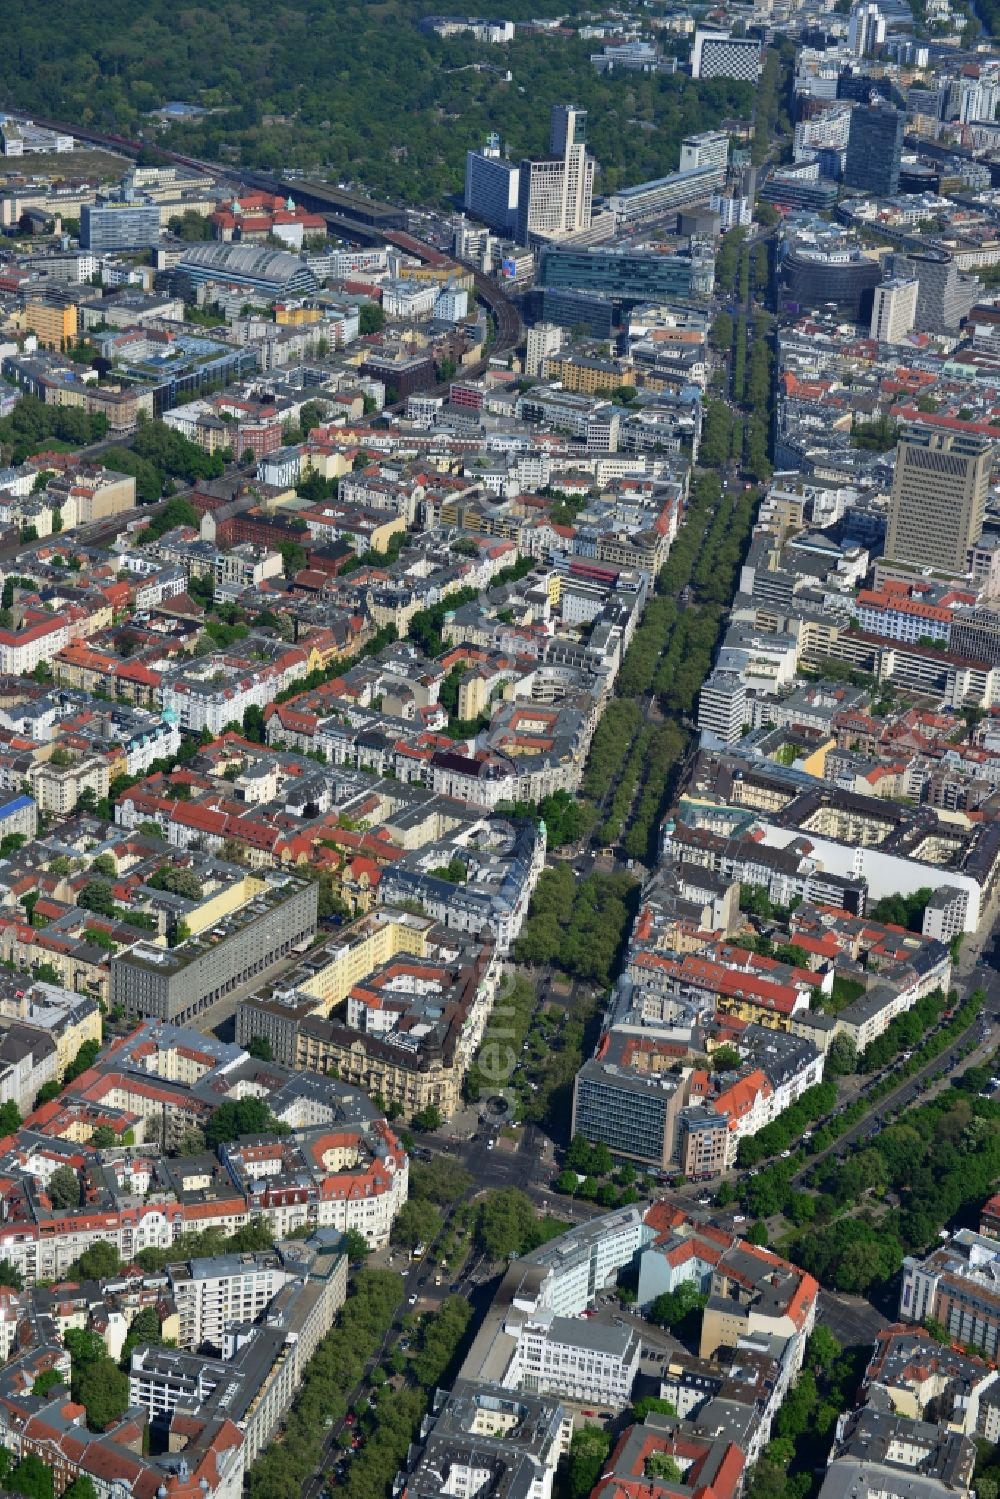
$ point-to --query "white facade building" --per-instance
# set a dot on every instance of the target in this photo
(866, 30)
(710, 148)
(894, 310)
(716, 54)
(576, 1359)
(722, 706)
(555, 192)
(544, 339)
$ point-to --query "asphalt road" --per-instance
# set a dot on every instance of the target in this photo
(474, 1282)
(910, 1089)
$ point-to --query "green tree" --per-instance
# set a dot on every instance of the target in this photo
(99, 1262)
(85, 1347)
(253, 724)
(261, 1048)
(192, 1142)
(823, 1350)
(80, 1488)
(672, 1308)
(652, 1404)
(32, 1478)
(97, 895)
(293, 556)
(508, 1225)
(84, 1059)
(64, 1188)
(177, 880)
(10, 1275)
(144, 1328)
(416, 1223)
(662, 1465)
(104, 1393)
(439, 1180)
(722, 332)
(371, 318)
(725, 1059)
(354, 1244)
(588, 1451)
(842, 1056)
(49, 1379)
(244, 1116)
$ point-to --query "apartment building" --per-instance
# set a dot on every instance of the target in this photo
(414, 1017)
(177, 984)
(479, 1432)
(262, 1363)
(211, 1294)
(57, 787)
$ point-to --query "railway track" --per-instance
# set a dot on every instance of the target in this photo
(509, 325)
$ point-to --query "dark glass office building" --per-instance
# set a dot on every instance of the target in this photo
(580, 309)
(636, 277)
(874, 150)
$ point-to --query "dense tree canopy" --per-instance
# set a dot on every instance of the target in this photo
(396, 110)
(104, 1392)
(243, 1116)
(64, 1188)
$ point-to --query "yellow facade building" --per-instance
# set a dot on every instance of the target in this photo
(54, 325)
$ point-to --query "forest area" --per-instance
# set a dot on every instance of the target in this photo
(354, 92)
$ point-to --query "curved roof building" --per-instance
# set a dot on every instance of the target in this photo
(274, 273)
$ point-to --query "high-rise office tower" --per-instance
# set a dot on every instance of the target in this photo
(875, 150)
(867, 29)
(491, 187)
(717, 54)
(894, 310)
(938, 496)
(946, 295)
(708, 149)
(555, 192)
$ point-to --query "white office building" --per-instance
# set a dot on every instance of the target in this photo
(716, 54)
(722, 707)
(575, 1359)
(866, 30)
(710, 148)
(451, 304)
(212, 1293)
(734, 210)
(544, 339)
(894, 310)
(556, 192)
